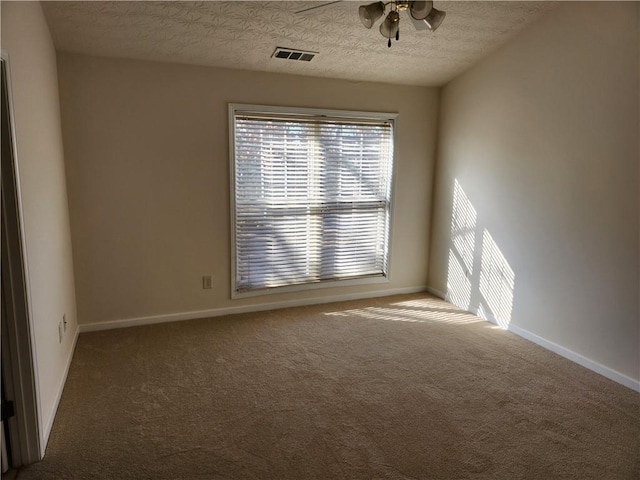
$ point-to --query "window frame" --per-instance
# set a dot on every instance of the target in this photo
(236, 109)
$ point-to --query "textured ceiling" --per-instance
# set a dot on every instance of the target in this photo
(244, 35)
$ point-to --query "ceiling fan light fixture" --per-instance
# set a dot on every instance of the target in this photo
(422, 14)
(389, 28)
(434, 19)
(370, 13)
(420, 10)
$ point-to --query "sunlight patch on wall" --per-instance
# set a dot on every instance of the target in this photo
(463, 227)
(479, 279)
(458, 285)
(461, 253)
(497, 282)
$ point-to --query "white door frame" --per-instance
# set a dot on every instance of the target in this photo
(19, 363)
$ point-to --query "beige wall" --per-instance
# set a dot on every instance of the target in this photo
(148, 178)
(542, 137)
(32, 63)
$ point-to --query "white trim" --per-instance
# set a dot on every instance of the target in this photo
(577, 358)
(351, 282)
(436, 293)
(232, 193)
(44, 439)
(392, 193)
(216, 312)
(313, 111)
(521, 332)
(592, 365)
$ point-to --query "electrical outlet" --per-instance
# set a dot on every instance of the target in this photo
(207, 282)
(64, 322)
(60, 332)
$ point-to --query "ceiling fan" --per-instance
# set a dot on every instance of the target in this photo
(422, 14)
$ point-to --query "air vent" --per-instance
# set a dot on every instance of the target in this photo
(292, 54)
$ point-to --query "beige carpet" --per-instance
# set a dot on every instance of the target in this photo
(392, 388)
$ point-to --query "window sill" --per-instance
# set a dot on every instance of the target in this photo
(309, 286)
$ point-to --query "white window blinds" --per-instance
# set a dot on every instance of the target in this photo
(312, 198)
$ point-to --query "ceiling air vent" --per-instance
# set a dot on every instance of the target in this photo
(292, 54)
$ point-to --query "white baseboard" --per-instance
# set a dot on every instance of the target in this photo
(174, 317)
(216, 312)
(577, 358)
(559, 349)
(436, 293)
(44, 437)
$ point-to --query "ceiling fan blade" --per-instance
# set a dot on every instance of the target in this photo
(317, 6)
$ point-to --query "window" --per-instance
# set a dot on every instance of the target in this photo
(311, 197)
